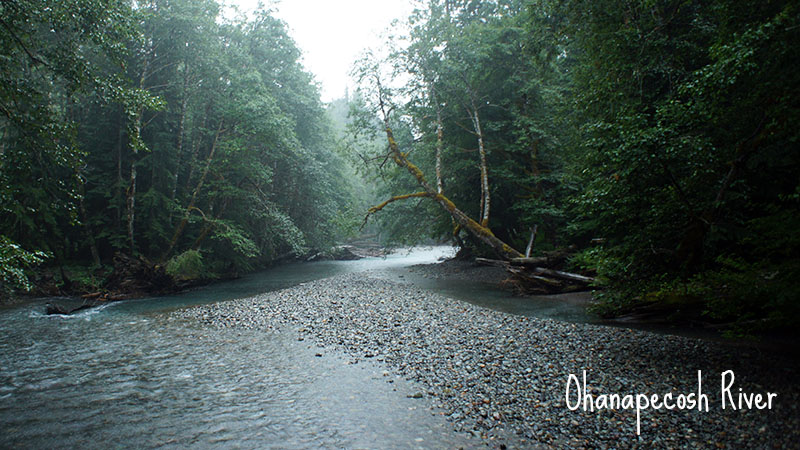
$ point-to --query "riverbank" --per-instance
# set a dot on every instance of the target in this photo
(76, 286)
(504, 377)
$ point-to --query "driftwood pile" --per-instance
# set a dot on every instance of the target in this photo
(541, 274)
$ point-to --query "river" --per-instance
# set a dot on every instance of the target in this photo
(129, 375)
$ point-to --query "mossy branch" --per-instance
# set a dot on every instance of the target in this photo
(379, 207)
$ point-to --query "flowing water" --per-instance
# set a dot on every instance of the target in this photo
(129, 375)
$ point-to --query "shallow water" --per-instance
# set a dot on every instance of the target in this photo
(116, 379)
(128, 375)
(563, 307)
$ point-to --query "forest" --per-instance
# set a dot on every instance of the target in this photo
(159, 130)
(655, 142)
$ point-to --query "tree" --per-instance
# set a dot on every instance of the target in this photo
(687, 147)
(53, 57)
(485, 92)
(371, 78)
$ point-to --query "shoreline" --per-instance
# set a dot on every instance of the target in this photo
(503, 377)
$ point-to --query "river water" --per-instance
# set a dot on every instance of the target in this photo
(129, 375)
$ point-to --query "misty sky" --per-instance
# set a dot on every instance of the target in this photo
(333, 33)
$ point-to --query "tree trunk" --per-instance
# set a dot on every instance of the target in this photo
(196, 148)
(481, 232)
(439, 148)
(135, 142)
(87, 229)
(485, 197)
(530, 242)
(439, 143)
(131, 203)
(181, 132)
(190, 207)
(120, 180)
(209, 226)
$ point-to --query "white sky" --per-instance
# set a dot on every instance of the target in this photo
(333, 33)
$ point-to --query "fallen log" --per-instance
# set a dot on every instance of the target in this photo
(524, 288)
(55, 309)
(539, 275)
(548, 281)
(538, 260)
(51, 309)
(135, 276)
(492, 262)
(564, 275)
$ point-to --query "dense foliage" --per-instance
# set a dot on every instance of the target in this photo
(691, 162)
(158, 129)
(655, 137)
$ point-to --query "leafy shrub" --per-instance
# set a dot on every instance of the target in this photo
(186, 266)
(13, 262)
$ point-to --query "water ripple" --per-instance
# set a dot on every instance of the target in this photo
(114, 377)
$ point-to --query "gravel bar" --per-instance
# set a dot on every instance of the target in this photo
(503, 377)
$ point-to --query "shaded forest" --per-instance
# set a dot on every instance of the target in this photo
(158, 130)
(653, 141)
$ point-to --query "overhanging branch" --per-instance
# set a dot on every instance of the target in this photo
(379, 207)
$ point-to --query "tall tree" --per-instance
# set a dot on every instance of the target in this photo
(54, 57)
(371, 82)
(484, 96)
